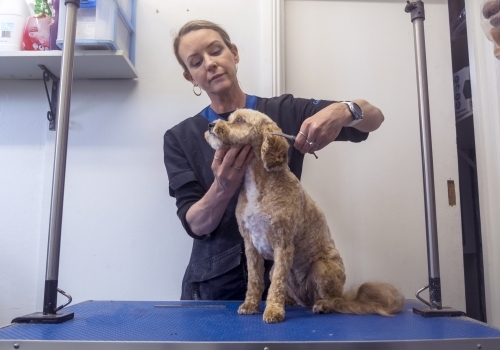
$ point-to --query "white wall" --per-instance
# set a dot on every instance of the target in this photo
(22, 153)
(121, 237)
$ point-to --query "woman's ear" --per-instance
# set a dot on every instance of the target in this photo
(236, 55)
(188, 77)
(274, 150)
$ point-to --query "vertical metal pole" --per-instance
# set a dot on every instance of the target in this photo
(56, 209)
(418, 17)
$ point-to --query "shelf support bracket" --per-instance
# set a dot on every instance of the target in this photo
(52, 97)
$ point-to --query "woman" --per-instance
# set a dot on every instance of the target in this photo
(206, 183)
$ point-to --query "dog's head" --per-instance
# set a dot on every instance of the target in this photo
(249, 127)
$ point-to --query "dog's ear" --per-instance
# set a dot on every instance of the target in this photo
(274, 150)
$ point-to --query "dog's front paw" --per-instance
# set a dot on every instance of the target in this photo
(274, 314)
(248, 308)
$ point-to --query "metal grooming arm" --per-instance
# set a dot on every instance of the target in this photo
(434, 306)
(49, 314)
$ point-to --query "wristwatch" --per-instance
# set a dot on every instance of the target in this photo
(356, 112)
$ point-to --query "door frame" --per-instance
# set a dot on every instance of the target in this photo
(485, 84)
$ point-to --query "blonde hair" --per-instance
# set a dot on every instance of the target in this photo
(192, 26)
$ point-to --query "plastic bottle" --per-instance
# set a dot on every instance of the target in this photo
(13, 15)
(54, 25)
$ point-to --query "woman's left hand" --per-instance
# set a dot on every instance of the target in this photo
(317, 131)
(322, 128)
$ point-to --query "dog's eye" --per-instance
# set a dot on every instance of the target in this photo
(239, 120)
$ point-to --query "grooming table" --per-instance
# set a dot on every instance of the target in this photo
(216, 325)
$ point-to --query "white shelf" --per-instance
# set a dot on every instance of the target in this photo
(87, 64)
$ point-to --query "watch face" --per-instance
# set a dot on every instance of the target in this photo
(358, 113)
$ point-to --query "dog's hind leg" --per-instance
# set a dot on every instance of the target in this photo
(275, 303)
(329, 278)
(289, 301)
(255, 287)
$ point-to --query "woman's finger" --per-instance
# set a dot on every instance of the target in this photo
(221, 153)
(300, 140)
(242, 156)
(230, 156)
(309, 146)
(314, 147)
(219, 157)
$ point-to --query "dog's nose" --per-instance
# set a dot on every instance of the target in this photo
(211, 127)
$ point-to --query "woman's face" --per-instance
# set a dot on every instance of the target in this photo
(211, 64)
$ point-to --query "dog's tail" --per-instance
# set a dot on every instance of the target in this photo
(371, 298)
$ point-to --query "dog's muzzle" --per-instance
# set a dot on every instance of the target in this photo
(211, 127)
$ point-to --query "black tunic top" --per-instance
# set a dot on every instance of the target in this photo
(217, 268)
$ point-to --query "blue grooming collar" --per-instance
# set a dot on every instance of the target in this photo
(209, 114)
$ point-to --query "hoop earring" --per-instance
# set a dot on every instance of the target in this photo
(197, 94)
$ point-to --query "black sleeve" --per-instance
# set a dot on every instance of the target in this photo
(351, 134)
(186, 196)
(178, 168)
(183, 183)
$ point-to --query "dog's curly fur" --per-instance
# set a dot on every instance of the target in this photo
(279, 221)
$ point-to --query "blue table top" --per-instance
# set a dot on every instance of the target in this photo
(217, 321)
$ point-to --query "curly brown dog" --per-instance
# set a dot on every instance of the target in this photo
(279, 221)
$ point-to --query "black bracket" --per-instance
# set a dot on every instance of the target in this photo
(431, 310)
(52, 98)
(49, 315)
(416, 8)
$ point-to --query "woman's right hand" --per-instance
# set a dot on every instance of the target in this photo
(229, 166)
